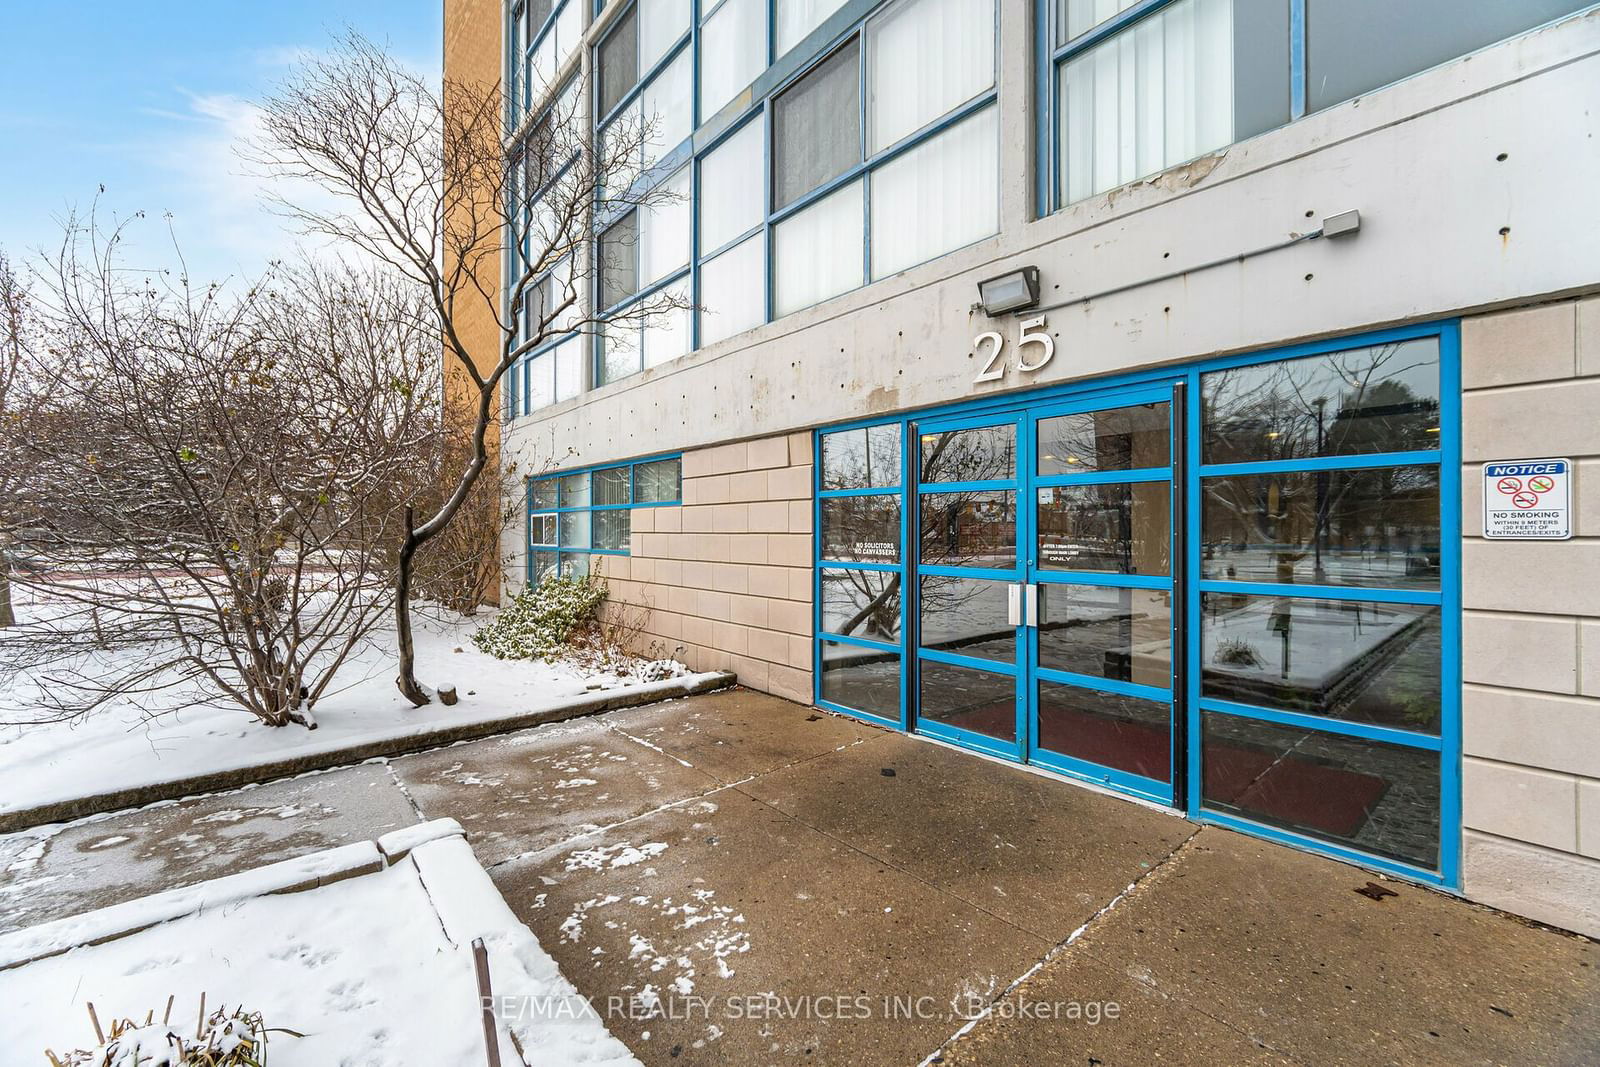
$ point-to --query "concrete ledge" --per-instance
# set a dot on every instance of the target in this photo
(220, 781)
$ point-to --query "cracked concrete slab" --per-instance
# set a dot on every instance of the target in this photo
(728, 899)
(534, 789)
(1276, 945)
(1031, 850)
(50, 872)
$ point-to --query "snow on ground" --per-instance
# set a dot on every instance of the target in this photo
(121, 747)
(376, 969)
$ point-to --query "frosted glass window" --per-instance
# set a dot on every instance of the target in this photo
(816, 126)
(817, 251)
(568, 31)
(541, 381)
(620, 142)
(938, 196)
(733, 291)
(569, 368)
(561, 288)
(1074, 18)
(733, 50)
(665, 241)
(1150, 97)
(731, 188)
(796, 18)
(619, 350)
(924, 57)
(666, 335)
(667, 108)
(619, 62)
(661, 24)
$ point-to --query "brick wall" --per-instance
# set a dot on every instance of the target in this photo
(728, 574)
(1531, 630)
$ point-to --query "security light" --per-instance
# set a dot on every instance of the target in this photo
(1012, 291)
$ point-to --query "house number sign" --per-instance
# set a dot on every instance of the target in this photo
(1035, 348)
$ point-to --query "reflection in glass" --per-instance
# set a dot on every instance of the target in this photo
(983, 454)
(967, 617)
(1345, 659)
(1380, 798)
(657, 482)
(1120, 528)
(611, 486)
(544, 564)
(861, 529)
(1121, 732)
(863, 604)
(978, 701)
(865, 679)
(973, 529)
(1384, 398)
(544, 493)
(1105, 632)
(575, 491)
(575, 529)
(612, 529)
(1367, 527)
(1114, 439)
(574, 564)
(867, 458)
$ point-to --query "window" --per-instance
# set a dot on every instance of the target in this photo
(619, 263)
(861, 570)
(731, 203)
(1355, 46)
(817, 251)
(926, 58)
(1142, 86)
(797, 18)
(619, 63)
(816, 127)
(646, 254)
(733, 50)
(925, 70)
(573, 515)
(540, 38)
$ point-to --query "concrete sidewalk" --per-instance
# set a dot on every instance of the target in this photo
(760, 882)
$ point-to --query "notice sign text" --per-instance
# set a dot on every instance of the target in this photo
(1528, 500)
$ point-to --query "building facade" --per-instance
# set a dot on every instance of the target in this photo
(1187, 502)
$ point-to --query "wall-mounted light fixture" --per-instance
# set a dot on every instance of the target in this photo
(1012, 291)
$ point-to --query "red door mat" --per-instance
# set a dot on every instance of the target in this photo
(1294, 790)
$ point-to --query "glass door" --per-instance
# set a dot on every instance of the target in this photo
(1101, 594)
(971, 639)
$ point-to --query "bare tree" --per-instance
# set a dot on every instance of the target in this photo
(427, 182)
(18, 334)
(213, 484)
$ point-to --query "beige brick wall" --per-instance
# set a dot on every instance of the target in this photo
(727, 575)
(1531, 628)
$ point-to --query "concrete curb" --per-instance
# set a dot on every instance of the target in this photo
(297, 875)
(221, 781)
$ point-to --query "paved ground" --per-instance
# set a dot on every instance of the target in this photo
(754, 885)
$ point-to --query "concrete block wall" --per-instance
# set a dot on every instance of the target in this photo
(727, 575)
(1531, 625)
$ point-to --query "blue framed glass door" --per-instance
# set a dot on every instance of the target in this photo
(1101, 590)
(972, 655)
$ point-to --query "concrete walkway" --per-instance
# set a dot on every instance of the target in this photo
(759, 882)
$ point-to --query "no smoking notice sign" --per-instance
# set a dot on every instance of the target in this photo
(1528, 499)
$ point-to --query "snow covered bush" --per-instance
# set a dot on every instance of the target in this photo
(224, 1039)
(539, 620)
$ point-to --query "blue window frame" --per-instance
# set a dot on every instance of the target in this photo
(574, 515)
(735, 276)
(1110, 112)
(1325, 534)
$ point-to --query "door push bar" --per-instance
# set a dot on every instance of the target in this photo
(1022, 604)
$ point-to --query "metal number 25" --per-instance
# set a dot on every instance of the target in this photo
(1033, 333)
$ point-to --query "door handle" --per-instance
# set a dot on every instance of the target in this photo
(1013, 605)
(1030, 605)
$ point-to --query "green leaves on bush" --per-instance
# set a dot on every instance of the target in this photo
(540, 619)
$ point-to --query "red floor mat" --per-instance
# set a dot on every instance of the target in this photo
(1294, 790)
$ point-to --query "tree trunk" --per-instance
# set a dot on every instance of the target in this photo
(407, 679)
(8, 617)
